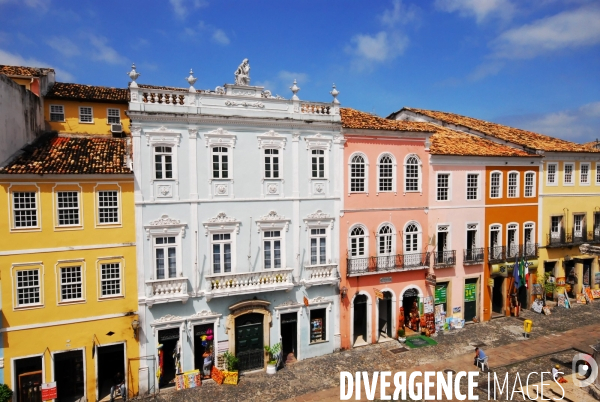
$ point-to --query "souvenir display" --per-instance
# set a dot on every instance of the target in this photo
(562, 301)
(596, 293)
(580, 297)
(216, 375)
(588, 295)
(537, 306)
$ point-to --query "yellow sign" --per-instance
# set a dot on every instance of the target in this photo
(491, 282)
(378, 293)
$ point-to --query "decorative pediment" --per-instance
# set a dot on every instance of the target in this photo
(165, 225)
(318, 141)
(220, 137)
(271, 139)
(273, 220)
(168, 319)
(203, 317)
(319, 218)
(162, 135)
(203, 314)
(320, 300)
(222, 222)
(164, 220)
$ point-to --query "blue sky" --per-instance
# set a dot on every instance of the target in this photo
(533, 64)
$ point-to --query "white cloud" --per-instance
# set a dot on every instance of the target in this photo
(103, 52)
(38, 5)
(283, 81)
(63, 45)
(220, 37)
(398, 14)
(181, 7)
(481, 10)
(12, 59)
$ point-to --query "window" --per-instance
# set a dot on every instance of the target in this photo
(495, 251)
(411, 239)
(578, 225)
(318, 246)
(57, 113)
(495, 185)
(221, 250)
(28, 287)
(551, 174)
(357, 174)
(597, 173)
(271, 163)
(512, 240)
(386, 174)
(110, 279)
(113, 116)
(68, 208)
(584, 173)
(272, 249)
(318, 328)
(318, 164)
(385, 241)
(165, 252)
(357, 242)
(529, 184)
(568, 178)
(108, 207)
(555, 227)
(220, 162)
(443, 186)
(472, 186)
(513, 185)
(85, 114)
(412, 177)
(529, 238)
(71, 284)
(163, 163)
(25, 209)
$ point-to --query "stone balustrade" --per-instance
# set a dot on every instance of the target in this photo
(325, 274)
(166, 290)
(231, 284)
(163, 98)
(315, 108)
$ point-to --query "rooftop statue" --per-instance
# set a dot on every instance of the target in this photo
(242, 74)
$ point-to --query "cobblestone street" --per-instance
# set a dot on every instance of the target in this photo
(305, 378)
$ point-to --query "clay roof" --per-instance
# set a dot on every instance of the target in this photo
(451, 142)
(352, 118)
(24, 71)
(593, 145)
(63, 90)
(68, 154)
(510, 134)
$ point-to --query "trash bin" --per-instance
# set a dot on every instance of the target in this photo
(527, 324)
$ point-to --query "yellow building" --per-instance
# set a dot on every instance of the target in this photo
(68, 267)
(87, 109)
(35, 79)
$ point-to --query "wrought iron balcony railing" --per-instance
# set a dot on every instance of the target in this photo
(444, 259)
(473, 255)
(496, 254)
(529, 250)
(395, 262)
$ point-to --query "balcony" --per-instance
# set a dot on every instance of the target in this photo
(166, 290)
(444, 259)
(529, 250)
(325, 274)
(388, 263)
(594, 236)
(496, 254)
(562, 239)
(512, 251)
(473, 256)
(234, 284)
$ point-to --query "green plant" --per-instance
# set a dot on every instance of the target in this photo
(273, 351)
(231, 361)
(548, 287)
(5, 393)
(401, 333)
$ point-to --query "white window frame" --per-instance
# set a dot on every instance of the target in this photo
(65, 264)
(572, 182)
(108, 116)
(119, 207)
(533, 185)
(472, 226)
(311, 156)
(598, 173)
(394, 173)
(27, 266)
(58, 209)
(517, 184)
(222, 224)
(555, 174)
(364, 236)
(449, 192)
(559, 226)
(477, 192)
(444, 228)
(271, 163)
(499, 183)
(583, 224)
(62, 108)
(165, 247)
(164, 138)
(82, 114)
(392, 234)
(318, 142)
(319, 303)
(589, 172)
(419, 173)
(273, 222)
(320, 220)
(511, 226)
(163, 163)
(105, 261)
(419, 238)
(276, 141)
(366, 174)
(529, 225)
(220, 138)
(220, 153)
(166, 227)
(37, 209)
(496, 227)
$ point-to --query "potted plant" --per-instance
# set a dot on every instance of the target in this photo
(401, 335)
(548, 285)
(231, 375)
(272, 351)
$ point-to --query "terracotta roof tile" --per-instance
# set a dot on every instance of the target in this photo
(24, 71)
(62, 90)
(66, 154)
(510, 134)
(450, 142)
(356, 119)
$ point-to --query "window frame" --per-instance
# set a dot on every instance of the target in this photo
(279, 163)
(365, 236)
(320, 220)
(365, 179)
(105, 188)
(82, 114)
(419, 234)
(108, 116)
(583, 224)
(597, 173)
(57, 209)
(419, 174)
(165, 247)
(512, 226)
(500, 184)
(50, 113)
(477, 192)
(491, 228)
(393, 239)
(38, 210)
(27, 266)
(437, 187)
(106, 261)
(66, 264)
(163, 163)
(572, 165)
(165, 227)
(555, 174)
(529, 225)
(589, 172)
(533, 185)
(325, 164)
(394, 173)
(319, 303)
(227, 153)
(516, 186)
(222, 224)
(324, 337)
(560, 226)
(272, 240)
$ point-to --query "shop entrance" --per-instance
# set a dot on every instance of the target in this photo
(204, 337)
(385, 316)
(169, 362)
(360, 320)
(69, 376)
(587, 273)
(111, 360)
(410, 304)
(498, 295)
(571, 282)
(289, 335)
(471, 292)
(28, 376)
(249, 341)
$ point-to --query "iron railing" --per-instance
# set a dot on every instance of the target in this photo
(512, 251)
(395, 262)
(443, 259)
(496, 254)
(594, 236)
(473, 255)
(251, 360)
(529, 250)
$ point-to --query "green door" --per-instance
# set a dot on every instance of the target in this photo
(470, 299)
(249, 341)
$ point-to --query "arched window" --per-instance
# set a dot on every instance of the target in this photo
(386, 174)
(385, 240)
(412, 239)
(357, 174)
(411, 174)
(358, 247)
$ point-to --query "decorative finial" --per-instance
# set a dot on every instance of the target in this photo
(134, 76)
(191, 80)
(334, 92)
(295, 90)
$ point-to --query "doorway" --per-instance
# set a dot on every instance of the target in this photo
(498, 295)
(203, 342)
(111, 360)
(471, 293)
(249, 341)
(28, 376)
(289, 335)
(167, 359)
(69, 376)
(360, 321)
(410, 304)
(571, 282)
(385, 316)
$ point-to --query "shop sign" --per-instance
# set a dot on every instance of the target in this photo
(49, 391)
(560, 281)
(441, 294)
(378, 293)
(506, 268)
(428, 304)
(385, 279)
(470, 292)
(430, 279)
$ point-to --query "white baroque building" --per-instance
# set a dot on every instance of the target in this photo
(237, 196)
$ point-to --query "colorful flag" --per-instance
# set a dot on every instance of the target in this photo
(516, 274)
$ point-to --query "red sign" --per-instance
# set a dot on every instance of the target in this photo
(49, 391)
